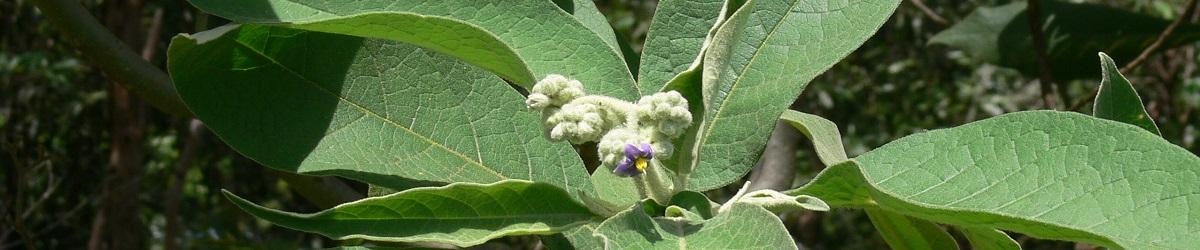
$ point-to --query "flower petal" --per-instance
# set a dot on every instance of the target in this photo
(626, 169)
(632, 152)
(647, 152)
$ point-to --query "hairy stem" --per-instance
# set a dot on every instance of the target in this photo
(657, 184)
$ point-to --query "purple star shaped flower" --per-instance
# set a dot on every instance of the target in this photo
(636, 160)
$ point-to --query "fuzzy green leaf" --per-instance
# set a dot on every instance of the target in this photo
(617, 190)
(988, 239)
(544, 38)
(1046, 174)
(377, 111)
(907, 233)
(1118, 101)
(759, 61)
(586, 13)
(695, 202)
(742, 227)
(675, 40)
(901, 232)
(462, 214)
(824, 134)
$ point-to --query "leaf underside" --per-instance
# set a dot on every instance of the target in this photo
(1046, 174)
(899, 231)
(462, 214)
(377, 111)
(527, 27)
(742, 227)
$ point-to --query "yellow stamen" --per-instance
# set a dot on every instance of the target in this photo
(640, 163)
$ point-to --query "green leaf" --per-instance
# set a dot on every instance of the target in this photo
(375, 248)
(614, 189)
(586, 13)
(693, 201)
(689, 84)
(545, 39)
(377, 111)
(380, 248)
(1074, 33)
(759, 61)
(988, 239)
(743, 227)
(777, 202)
(1118, 101)
(903, 232)
(462, 214)
(579, 237)
(675, 40)
(1046, 174)
(824, 134)
(839, 185)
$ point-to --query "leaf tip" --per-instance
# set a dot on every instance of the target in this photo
(212, 34)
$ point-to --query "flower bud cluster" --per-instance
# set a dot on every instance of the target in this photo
(553, 92)
(574, 116)
(666, 112)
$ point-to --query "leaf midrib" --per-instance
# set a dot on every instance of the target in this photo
(721, 105)
(370, 112)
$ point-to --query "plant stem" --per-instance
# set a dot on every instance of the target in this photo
(930, 13)
(114, 58)
(656, 184)
(640, 183)
(1046, 80)
(614, 105)
(1162, 37)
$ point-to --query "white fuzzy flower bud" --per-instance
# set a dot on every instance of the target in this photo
(578, 123)
(553, 91)
(537, 101)
(663, 148)
(666, 112)
(612, 145)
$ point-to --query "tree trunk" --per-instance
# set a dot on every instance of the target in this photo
(118, 222)
(776, 168)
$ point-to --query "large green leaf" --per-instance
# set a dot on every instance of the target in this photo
(378, 111)
(1118, 101)
(545, 39)
(617, 190)
(759, 61)
(742, 227)
(579, 237)
(1074, 33)
(462, 214)
(838, 185)
(900, 232)
(988, 239)
(1046, 174)
(907, 233)
(675, 40)
(689, 83)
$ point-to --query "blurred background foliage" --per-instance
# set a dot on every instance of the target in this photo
(57, 124)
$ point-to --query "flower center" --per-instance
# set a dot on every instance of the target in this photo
(640, 163)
